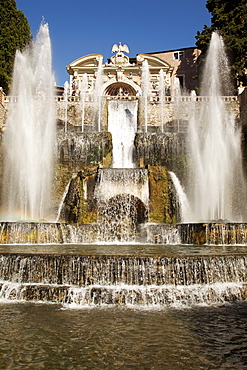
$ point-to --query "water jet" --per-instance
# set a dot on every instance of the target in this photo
(29, 139)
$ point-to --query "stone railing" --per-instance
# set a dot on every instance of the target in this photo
(169, 99)
(243, 107)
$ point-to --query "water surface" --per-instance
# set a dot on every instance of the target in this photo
(123, 249)
(39, 336)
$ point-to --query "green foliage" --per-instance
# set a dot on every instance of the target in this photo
(14, 34)
(229, 18)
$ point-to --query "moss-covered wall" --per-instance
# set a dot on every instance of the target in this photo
(162, 200)
(162, 149)
(76, 207)
(78, 149)
(78, 154)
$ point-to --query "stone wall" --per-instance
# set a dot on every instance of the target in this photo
(162, 149)
(243, 109)
(78, 207)
(79, 155)
(172, 113)
(163, 205)
(77, 149)
(242, 98)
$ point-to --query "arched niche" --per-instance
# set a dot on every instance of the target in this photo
(120, 89)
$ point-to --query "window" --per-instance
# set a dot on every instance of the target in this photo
(181, 80)
(178, 55)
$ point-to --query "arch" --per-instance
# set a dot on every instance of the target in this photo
(120, 88)
(112, 87)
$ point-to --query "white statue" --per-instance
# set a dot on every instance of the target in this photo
(120, 48)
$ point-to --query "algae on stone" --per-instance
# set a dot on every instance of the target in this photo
(161, 202)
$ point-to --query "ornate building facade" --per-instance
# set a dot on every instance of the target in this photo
(123, 76)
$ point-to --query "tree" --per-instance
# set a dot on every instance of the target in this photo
(14, 34)
(229, 18)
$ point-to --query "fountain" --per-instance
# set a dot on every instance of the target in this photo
(217, 184)
(29, 139)
(133, 251)
(66, 94)
(177, 101)
(123, 134)
(98, 95)
(145, 91)
(162, 94)
(83, 89)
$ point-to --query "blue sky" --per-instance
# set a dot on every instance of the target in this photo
(81, 27)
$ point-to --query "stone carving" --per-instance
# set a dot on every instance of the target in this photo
(120, 48)
(120, 59)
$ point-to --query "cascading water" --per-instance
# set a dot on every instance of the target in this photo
(148, 281)
(120, 189)
(63, 197)
(122, 123)
(122, 196)
(182, 197)
(29, 139)
(218, 189)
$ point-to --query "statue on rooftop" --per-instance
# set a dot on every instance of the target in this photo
(120, 59)
(120, 48)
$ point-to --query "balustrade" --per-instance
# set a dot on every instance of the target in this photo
(155, 99)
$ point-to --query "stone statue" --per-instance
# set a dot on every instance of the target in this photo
(120, 49)
(120, 59)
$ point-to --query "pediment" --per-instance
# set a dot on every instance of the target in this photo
(91, 60)
(153, 61)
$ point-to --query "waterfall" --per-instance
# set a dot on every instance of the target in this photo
(122, 123)
(46, 233)
(135, 212)
(218, 189)
(182, 198)
(121, 192)
(63, 197)
(83, 280)
(112, 182)
(29, 139)
(122, 196)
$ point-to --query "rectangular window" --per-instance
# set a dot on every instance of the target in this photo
(178, 55)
